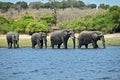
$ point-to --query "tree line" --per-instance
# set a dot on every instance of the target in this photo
(108, 22)
(4, 6)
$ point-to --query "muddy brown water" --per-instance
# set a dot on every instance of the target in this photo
(60, 64)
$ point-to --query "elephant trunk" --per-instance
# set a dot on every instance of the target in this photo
(74, 42)
(103, 41)
(46, 43)
(73, 38)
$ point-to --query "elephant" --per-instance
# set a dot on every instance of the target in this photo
(12, 38)
(86, 37)
(61, 36)
(39, 39)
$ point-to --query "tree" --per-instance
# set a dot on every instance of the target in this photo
(37, 27)
(21, 5)
(103, 6)
(78, 4)
(114, 12)
(5, 24)
(36, 5)
(21, 24)
(50, 19)
(92, 6)
(4, 6)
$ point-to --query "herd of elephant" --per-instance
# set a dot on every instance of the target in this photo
(58, 38)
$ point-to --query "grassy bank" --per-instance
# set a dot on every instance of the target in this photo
(27, 43)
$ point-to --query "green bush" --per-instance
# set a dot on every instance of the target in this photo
(21, 24)
(50, 19)
(37, 27)
(5, 24)
(107, 22)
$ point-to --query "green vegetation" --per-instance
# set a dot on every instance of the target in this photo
(108, 22)
(27, 24)
(4, 6)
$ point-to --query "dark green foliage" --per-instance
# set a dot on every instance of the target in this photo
(62, 4)
(92, 6)
(107, 22)
(5, 24)
(36, 5)
(4, 6)
(50, 19)
(21, 5)
(21, 24)
(114, 12)
(103, 6)
(37, 27)
(3, 20)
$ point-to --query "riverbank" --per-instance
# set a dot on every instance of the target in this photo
(111, 40)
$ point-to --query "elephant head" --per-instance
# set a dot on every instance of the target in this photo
(97, 35)
(103, 39)
(43, 37)
(15, 39)
(69, 33)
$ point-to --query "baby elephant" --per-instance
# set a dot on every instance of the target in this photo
(38, 39)
(12, 38)
(87, 37)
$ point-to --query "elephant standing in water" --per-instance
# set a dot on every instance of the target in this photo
(12, 38)
(39, 39)
(87, 37)
(62, 36)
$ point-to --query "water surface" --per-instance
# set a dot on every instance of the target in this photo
(60, 64)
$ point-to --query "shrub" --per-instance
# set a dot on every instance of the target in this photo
(21, 24)
(50, 19)
(37, 27)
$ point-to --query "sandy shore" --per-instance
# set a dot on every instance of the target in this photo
(24, 36)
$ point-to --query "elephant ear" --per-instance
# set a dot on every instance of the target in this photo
(100, 36)
(65, 33)
(95, 36)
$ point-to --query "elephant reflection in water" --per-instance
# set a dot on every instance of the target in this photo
(62, 36)
(39, 39)
(87, 37)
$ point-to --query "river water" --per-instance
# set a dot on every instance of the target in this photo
(60, 64)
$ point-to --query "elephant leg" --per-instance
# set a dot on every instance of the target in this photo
(93, 44)
(14, 44)
(59, 46)
(41, 44)
(86, 46)
(79, 44)
(52, 46)
(65, 45)
(33, 45)
(10, 45)
(17, 45)
(96, 46)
